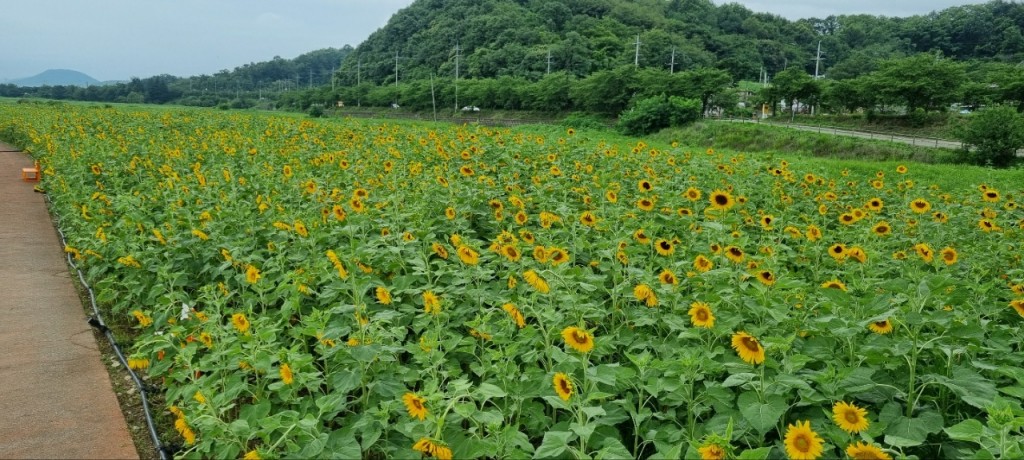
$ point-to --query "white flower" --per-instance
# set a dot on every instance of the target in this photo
(185, 310)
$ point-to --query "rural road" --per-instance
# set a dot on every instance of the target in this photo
(924, 142)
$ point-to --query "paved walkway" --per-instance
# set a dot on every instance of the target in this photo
(56, 400)
(919, 141)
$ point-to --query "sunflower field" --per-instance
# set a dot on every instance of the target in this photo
(347, 288)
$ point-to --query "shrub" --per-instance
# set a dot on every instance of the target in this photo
(996, 134)
(655, 113)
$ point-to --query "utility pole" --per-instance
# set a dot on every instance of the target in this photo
(672, 65)
(310, 77)
(636, 55)
(396, 69)
(549, 60)
(817, 61)
(457, 51)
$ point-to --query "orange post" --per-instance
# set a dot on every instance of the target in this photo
(30, 174)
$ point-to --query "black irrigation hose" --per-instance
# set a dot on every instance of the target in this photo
(97, 321)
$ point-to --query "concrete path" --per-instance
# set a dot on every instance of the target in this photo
(919, 141)
(56, 400)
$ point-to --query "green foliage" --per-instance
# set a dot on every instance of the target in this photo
(996, 133)
(659, 112)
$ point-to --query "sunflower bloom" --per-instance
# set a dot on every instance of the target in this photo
(925, 252)
(849, 417)
(516, 315)
(881, 327)
(721, 201)
(949, 255)
(563, 386)
(578, 339)
(834, 284)
(645, 294)
(668, 277)
(664, 247)
(802, 443)
(748, 348)
(142, 318)
(431, 303)
(252, 455)
(701, 316)
(468, 256)
(1018, 304)
(533, 279)
(240, 322)
(414, 404)
(703, 264)
(920, 206)
(286, 374)
(711, 451)
(864, 451)
(766, 277)
(252, 274)
(383, 295)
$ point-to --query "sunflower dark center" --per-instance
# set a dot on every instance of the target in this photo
(851, 417)
(702, 315)
(417, 404)
(564, 385)
(751, 344)
(580, 337)
(721, 200)
(666, 245)
(802, 443)
(882, 323)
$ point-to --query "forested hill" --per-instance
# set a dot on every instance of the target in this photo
(527, 38)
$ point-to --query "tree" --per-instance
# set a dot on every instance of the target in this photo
(996, 134)
(705, 83)
(795, 85)
(923, 81)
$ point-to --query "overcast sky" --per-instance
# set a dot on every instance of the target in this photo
(120, 39)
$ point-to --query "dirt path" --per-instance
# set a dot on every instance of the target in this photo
(56, 400)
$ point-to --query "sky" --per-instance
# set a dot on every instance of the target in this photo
(121, 39)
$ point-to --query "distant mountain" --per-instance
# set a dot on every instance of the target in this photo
(57, 77)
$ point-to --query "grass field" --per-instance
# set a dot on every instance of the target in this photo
(352, 288)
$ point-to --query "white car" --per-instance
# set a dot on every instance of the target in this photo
(471, 108)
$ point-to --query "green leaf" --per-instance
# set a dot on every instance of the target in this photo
(583, 431)
(910, 432)
(554, 444)
(760, 453)
(487, 391)
(612, 448)
(342, 444)
(736, 380)
(761, 416)
(967, 430)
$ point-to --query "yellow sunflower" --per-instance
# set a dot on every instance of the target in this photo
(834, 284)
(711, 451)
(864, 451)
(431, 303)
(240, 322)
(1018, 304)
(702, 264)
(849, 417)
(645, 204)
(734, 254)
(533, 279)
(882, 228)
(383, 295)
(802, 443)
(641, 237)
(701, 316)
(813, 233)
(664, 247)
(252, 274)
(920, 206)
(668, 277)
(881, 327)
(925, 252)
(578, 339)
(837, 251)
(748, 348)
(692, 194)
(949, 255)
(721, 200)
(468, 256)
(766, 277)
(644, 293)
(414, 404)
(286, 374)
(563, 386)
(516, 315)
(588, 218)
(990, 195)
